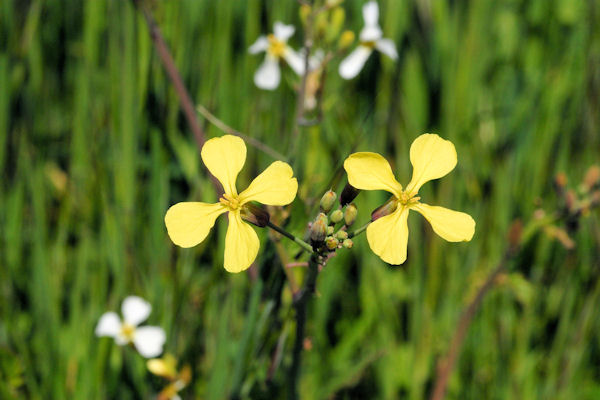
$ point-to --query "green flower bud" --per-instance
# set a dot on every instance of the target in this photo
(346, 40)
(318, 229)
(331, 243)
(337, 216)
(328, 200)
(348, 243)
(330, 230)
(341, 235)
(350, 214)
(255, 215)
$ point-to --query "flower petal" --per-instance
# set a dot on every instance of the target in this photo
(268, 75)
(149, 340)
(294, 60)
(108, 325)
(454, 226)
(135, 310)
(388, 236)
(261, 44)
(224, 157)
(370, 171)
(354, 62)
(370, 33)
(282, 31)
(188, 223)
(387, 47)
(371, 13)
(275, 186)
(241, 244)
(431, 157)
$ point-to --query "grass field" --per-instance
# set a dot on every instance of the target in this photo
(94, 149)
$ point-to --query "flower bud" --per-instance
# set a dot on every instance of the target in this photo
(348, 194)
(337, 216)
(336, 23)
(328, 200)
(341, 235)
(331, 243)
(304, 12)
(318, 229)
(348, 243)
(255, 215)
(330, 230)
(350, 214)
(346, 40)
(386, 209)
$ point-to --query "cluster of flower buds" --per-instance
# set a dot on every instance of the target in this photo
(328, 232)
(578, 201)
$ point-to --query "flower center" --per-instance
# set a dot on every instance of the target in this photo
(407, 199)
(127, 331)
(370, 44)
(232, 202)
(276, 46)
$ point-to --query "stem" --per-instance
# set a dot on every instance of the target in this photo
(227, 129)
(169, 64)
(359, 230)
(305, 246)
(300, 304)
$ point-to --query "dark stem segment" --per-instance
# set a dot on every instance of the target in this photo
(300, 304)
(446, 364)
(169, 64)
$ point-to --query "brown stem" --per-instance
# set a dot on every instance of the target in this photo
(446, 364)
(169, 64)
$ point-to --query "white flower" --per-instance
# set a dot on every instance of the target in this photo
(268, 75)
(148, 340)
(370, 38)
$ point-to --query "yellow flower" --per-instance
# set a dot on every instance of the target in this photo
(431, 157)
(189, 223)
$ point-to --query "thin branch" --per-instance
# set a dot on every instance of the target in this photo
(229, 130)
(169, 64)
(305, 246)
(359, 230)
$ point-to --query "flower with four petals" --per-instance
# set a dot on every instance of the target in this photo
(188, 223)
(371, 37)
(148, 340)
(431, 157)
(268, 75)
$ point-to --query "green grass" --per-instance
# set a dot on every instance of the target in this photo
(94, 149)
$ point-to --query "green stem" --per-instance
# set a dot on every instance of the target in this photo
(305, 246)
(359, 230)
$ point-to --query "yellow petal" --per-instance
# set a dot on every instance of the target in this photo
(165, 366)
(274, 186)
(451, 225)
(388, 236)
(370, 171)
(431, 157)
(241, 244)
(189, 223)
(224, 157)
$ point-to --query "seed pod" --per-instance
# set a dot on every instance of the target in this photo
(328, 200)
(350, 214)
(337, 216)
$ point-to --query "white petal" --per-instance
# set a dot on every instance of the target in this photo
(353, 63)
(371, 13)
(294, 60)
(370, 33)
(108, 325)
(135, 310)
(282, 31)
(261, 44)
(267, 76)
(149, 340)
(387, 47)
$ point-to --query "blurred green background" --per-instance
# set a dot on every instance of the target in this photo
(94, 149)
